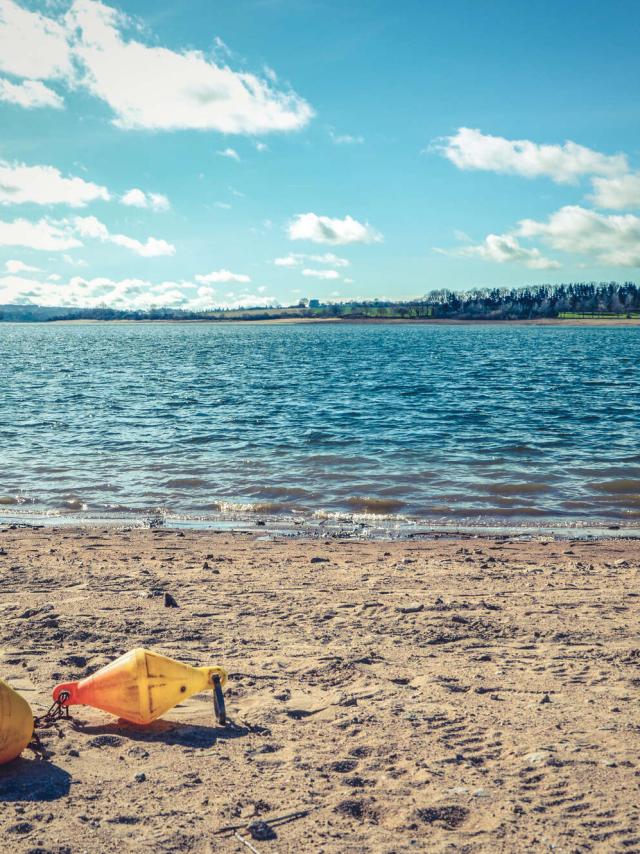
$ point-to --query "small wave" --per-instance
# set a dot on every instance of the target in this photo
(377, 506)
(73, 503)
(125, 509)
(346, 518)
(338, 460)
(577, 505)
(621, 501)
(284, 492)
(619, 486)
(186, 483)
(11, 500)
(516, 488)
(521, 448)
(236, 508)
(495, 512)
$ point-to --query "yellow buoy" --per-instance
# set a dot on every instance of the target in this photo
(140, 686)
(16, 723)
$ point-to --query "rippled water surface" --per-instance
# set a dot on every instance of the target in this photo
(431, 422)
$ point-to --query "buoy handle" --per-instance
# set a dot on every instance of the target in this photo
(216, 672)
(68, 688)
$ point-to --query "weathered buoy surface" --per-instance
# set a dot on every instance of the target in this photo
(16, 723)
(140, 686)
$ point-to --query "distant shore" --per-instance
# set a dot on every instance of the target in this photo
(375, 321)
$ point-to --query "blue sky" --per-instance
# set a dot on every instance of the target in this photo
(206, 153)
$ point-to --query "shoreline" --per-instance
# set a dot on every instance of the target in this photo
(375, 321)
(362, 526)
(409, 696)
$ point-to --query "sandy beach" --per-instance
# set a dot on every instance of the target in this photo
(446, 694)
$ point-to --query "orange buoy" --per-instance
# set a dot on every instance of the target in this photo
(16, 723)
(141, 686)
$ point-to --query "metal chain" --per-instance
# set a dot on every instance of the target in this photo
(57, 711)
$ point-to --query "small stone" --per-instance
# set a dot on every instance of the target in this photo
(261, 831)
(318, 559)
(138, 752)
(74, 661)
(414, 608)
(106, 741)
(536, 757)
(140, 778)
(545, 699)
(21, 827)
(343, 766)
(169, 601)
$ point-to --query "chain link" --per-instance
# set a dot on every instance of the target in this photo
(57, 711)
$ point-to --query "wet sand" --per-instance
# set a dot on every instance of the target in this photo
(469, 695)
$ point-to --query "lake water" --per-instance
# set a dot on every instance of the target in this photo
(467, 423)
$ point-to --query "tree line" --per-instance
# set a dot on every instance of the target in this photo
(577, 299)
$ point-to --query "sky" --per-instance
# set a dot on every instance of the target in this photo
(203, 153)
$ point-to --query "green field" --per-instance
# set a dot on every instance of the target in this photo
(577, 315)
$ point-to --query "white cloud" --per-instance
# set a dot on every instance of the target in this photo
(139, 199)
(90, 226)
(296, 259)
(345, 138)
(324, 229)
(59, 235)
(80, 292)
(13, 266)
(147, 87)
(613, 239)
(32, 45)
(288, 261)
(45, 185)
(261, 146)
(503, 248)
(29, 94)
(221, 276)
(564, 164)
(162, 89)
(617, 193)
(127, 293)
(609, 239)
(231, 153)
(222, 47)
(321, 274)
(43, 235)
(329, 258)
(74, 262)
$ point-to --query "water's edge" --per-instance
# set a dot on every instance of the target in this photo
(340, 527)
